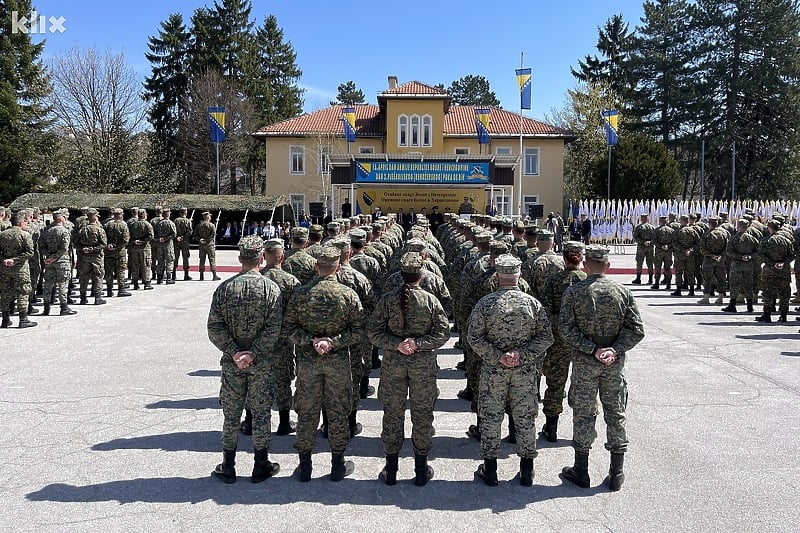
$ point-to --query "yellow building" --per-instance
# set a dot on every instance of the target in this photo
(414, 150)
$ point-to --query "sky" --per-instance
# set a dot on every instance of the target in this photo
(431, 41)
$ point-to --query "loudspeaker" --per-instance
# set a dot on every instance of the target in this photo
(315, 209)
(536, 211)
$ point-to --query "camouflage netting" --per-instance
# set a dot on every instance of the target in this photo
(199, 202)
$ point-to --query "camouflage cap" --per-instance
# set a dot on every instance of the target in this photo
(596, 252)
(748, 216)
(340, 243)
(774, 223)
(779, 217)
(507, 222)
(316, 229)
(422, 221)
(498, 247)
(545, 235)
(328, 255)
(250, 247)
(743, 222)
(519, 225)
(333, 225)
(358, 235)
(476, 230)
(507, 264)
(116, 211)
(662, 217)
(532, 230)
(411, 262)
(273, 244)
(713, 218)
(377, 226)
(483, 238)
(574, 247)
(415, 245)
(299, 232)
(91, 211)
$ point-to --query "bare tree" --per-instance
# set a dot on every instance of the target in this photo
(96, 101)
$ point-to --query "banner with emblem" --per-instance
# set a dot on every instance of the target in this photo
(216, 121)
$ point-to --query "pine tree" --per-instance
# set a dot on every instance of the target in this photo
(614, 43)
(348, 94)
(233, 22)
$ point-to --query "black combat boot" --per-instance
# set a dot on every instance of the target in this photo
(23, 320)
(766, 317)
(526, 472)
(579, 473)
(749, 304)
(423, 471)
(669, 284)
(691, 290)
(246, 426)
(6, 319)
(676, 292)
(262, 467)
(109, 289)
(731, 308)
(488, 472)
(340, 468)
(226, 470)
(550, 429)
(655, 286)
(169, 278)
(66, 311)
(31, 309)
(474, 430)
(783, 317)
(355, 426)
(365, 389)
(389, 473)
(638, 279)
(46, 308)
(202, 275)
(84, 300)
(285, 426)
(159, 279)
(148, 286)
(304, 468)
(215, 278)
(122, 290)
(186, 275)
(616, 477)
(136, 284)
(465, 394)
(98, 300)
(649, 279)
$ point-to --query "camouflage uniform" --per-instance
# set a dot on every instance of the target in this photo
(115, 257)
(778, 252)
(35, 228)
(164, 233)
(141, 234)
(245, 315)
(15, 280)
(183, 237)
(663, 254)
(301, 265)
(90, 245)
(644, 234)
(742, 246)
(429, 282)
(54, 247)
(712, 246)
(686, 240)
(206, 233)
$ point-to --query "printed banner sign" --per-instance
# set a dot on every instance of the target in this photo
(431, 172)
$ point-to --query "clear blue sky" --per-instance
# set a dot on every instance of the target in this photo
(432, 41)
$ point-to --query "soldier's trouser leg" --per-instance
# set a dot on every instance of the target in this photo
(35, 275)
(756, 277)
(183, 252)
(357, 355)
(556, 371)
(668, 268)
(422, 393)
(589, 377)
(524, 409)
(252, 386)
(649, 256)
(708, 275)
(491, 410)
(392, 393)
(639, 259)
(323, 383)
(284, 374)
(472, 362)
(680, 267)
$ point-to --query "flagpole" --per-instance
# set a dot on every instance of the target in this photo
(609, 172)
(216, 145)
(521, 155)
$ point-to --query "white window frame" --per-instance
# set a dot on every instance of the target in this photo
(528, 200)
(427, 130)
(531, 154)
(462, 150)
(366, 149)
(414, 131)
(297, 159)
(402, 130)
(323, 167)
(503, 150)
(503, 209)
(298, 203)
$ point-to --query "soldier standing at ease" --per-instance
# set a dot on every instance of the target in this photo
(510, 331)
(54, 248)
(599, 319)
(409, 323)
(644, 234)
(686, 239)
(777, 252)
(712, 246)
(244, 323)
(323, 319)
(164, 233)
(90, 244)
(742, 247)
(16, 249)
(298, 262)
(141, 234)
(183, 235)
(116, 259)
(662, 253)
(206, 233)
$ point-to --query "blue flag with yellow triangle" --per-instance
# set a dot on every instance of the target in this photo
(349, 115)
(216, 121)
(524, 83)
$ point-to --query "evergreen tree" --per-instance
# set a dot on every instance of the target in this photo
(614, 42)
(205, 42)
(348, 94)
(232, 20)
(473, 90)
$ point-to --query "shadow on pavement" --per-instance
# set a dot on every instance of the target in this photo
(190, 403)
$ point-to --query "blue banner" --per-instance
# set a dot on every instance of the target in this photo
(216, 121)
(524, 83)
(611, 122)
(349, 115)
(482, 124)
(422, 172)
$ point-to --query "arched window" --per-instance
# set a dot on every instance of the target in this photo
(402, 130)
(414, 130)
(427, 133)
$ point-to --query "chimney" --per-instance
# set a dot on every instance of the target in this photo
(392, 82)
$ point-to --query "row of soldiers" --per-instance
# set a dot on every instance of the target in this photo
(378, 261)
(717, 256)
(99, 252)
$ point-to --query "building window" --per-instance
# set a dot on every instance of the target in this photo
(462, 151)
(427, 130)
(503, 205)
(298, 203)
(527, 201)
(297, 160)
(502, 150)
(324, 166)
(366, 150)
(414, 130)
(402, 131)
(532, 161)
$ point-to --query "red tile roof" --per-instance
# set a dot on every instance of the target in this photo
(413, 87)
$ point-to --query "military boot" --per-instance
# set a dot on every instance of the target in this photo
(122, 290)
(246, 427)
(304, 467)
(783, 317)
(676, 292)
(109, 289)
(186, 275)
(638, 279)
(720, 298)
(578, 473)
(136, 284)
(98, 300)
(376, 360)
(550, 428)
(226, 470)
(765, 317)
(691, 291)
(474, 430)
(23, 320)
(731, 308)
(488, 472)
(668, 285)
(66, 311)
(202, 275)
(354, 426)
(616, 477)
(215, 278)
(526, 472)
(423, 471)
(6, 319)
(46, 308)
(31, 309)
(704, 300)
(285, 427)
(84, 300)
(169, 278)
(262, 467)
(340, 468)
(649, 279)
(749, 302)
(389, 473)
(655, 286)
(159, 279)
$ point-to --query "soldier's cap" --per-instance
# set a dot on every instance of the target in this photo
(519, 225)
(422, 221)
(355, 219)
(573, 247)
(85, 208)
(204, 213)
(774, 224)
(507, 264)
(91, 211)
(316, 229)
(166, 209)
(411, 262)
(743, 222)
(299, 232)
(273, 244)
(333, 225)
(662, 217)
(714, 218)
(476, 230)
(116, 211)
(251, 246)
(685, 217)
(596, 252)
(721, 213)
(415, 245)
(377, 226)
(358, 235)
(498, 247)
(779, 217)
(532, 230)
(340, 243)
(673, 214)
(345, 222)
(142, 211)
(507, 222)
(749, 211)
(483, 238)
(545, 235)
(448, 215)
(748, 216)
(328, 255)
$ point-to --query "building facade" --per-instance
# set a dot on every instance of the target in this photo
(414, 150)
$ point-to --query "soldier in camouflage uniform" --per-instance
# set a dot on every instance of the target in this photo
(298, 261)
(544, 266)
(776, 281)
(599, 319)
(90, 245)
(16, 249)
(742, 246)
(54, 248)
(684, 244)
(244, 323)
(164, 233)
(315, 234)
(644, 234)
(323, 319)
(206, 234)
(371, 268)
(409, 324)
(115, 257)
(141, 234)
(183, 236)
(557, 360)
(712, 246)
(662, 255)
(35, 227)
(510, 332)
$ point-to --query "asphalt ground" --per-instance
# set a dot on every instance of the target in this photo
(111, 423)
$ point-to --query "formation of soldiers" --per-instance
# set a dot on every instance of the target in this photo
(716, 257)
(66, 261)
(358, 286)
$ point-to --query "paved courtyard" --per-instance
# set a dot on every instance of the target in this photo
(111, 423)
